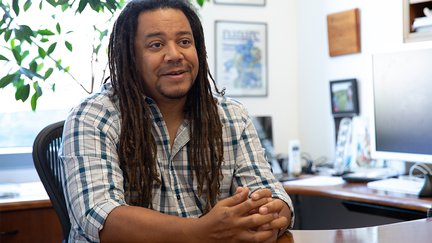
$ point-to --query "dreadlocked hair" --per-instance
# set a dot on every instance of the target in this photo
(137, 149)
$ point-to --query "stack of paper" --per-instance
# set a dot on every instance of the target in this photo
(422, 24)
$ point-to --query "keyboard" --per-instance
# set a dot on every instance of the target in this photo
(398, 185)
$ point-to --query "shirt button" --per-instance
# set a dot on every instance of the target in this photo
(178, 197)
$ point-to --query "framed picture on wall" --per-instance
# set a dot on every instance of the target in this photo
(343, 29)
(241, 57)
(241, 2)
(344, 98)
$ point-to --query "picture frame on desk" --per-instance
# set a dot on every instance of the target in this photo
(241, 57)
(241, 2)
(344, 98)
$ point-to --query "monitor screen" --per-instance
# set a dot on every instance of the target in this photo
(263, 125)
(401, 127)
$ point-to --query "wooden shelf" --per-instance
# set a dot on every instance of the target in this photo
(418, 1)
(414, 9)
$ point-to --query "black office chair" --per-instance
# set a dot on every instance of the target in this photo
(49, 168)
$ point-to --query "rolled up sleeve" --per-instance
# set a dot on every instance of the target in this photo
(93, 183)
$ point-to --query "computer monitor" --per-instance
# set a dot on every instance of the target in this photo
(401, 127)
(264, 127)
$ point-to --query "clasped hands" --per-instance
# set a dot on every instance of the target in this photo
(244, 218)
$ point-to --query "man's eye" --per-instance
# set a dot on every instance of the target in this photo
(155, 45)
(185, 42)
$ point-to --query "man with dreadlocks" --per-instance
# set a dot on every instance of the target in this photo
(156, 155)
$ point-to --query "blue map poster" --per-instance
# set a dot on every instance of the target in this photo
(241, 58)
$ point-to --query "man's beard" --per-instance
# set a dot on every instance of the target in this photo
(173, 95)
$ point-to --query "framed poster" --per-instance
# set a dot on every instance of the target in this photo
(241, 57)
(241, 2)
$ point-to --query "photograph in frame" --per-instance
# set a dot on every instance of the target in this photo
(241, 58)
(344, 97)
(241, 2)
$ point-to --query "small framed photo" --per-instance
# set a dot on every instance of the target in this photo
(242, 2)
(241, 58)
(344, 98)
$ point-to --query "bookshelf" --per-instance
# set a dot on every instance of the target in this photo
(417, 26)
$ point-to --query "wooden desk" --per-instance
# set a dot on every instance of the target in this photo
(341, 205)
(418, 231)
(28, 217)
(359, 192)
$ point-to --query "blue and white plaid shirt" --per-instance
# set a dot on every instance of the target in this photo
(94, 180)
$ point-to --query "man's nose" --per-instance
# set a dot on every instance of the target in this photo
(173, 53)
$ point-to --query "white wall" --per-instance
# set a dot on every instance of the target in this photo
(282, 100)
(300, 67)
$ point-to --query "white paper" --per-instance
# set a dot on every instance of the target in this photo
(317, 181)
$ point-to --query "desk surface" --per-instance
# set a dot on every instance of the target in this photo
(23, 196)
(419, 231)
(359, 192)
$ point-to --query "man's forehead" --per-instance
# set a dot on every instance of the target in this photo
(162, 21)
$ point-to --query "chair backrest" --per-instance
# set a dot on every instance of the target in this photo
(49, 168)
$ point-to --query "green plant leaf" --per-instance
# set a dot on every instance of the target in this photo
(22, 92)
(200, 2)
(3, 58)
(39, 66)
(45, 32)
(36, 95)
(15, 7)
(42, 52)
(33, 101)
(82, 5)
(48, 73)
(18, 81)
(25, 54)
(27, 5)
(43, 40)
(24, 33)
(52, 2)
(68, 45)
(13, 46)
(17, 55)
(95, 5)
(7, 35)
(64, 7)
(112, 6)
(102, 34)
(6, 80)
(58, 28)
(96, 50)
(62, 2)
(51, 48)
(33, 66)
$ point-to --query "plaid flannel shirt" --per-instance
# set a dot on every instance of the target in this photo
(94, 181)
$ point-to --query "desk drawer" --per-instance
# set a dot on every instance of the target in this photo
(30, 225)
